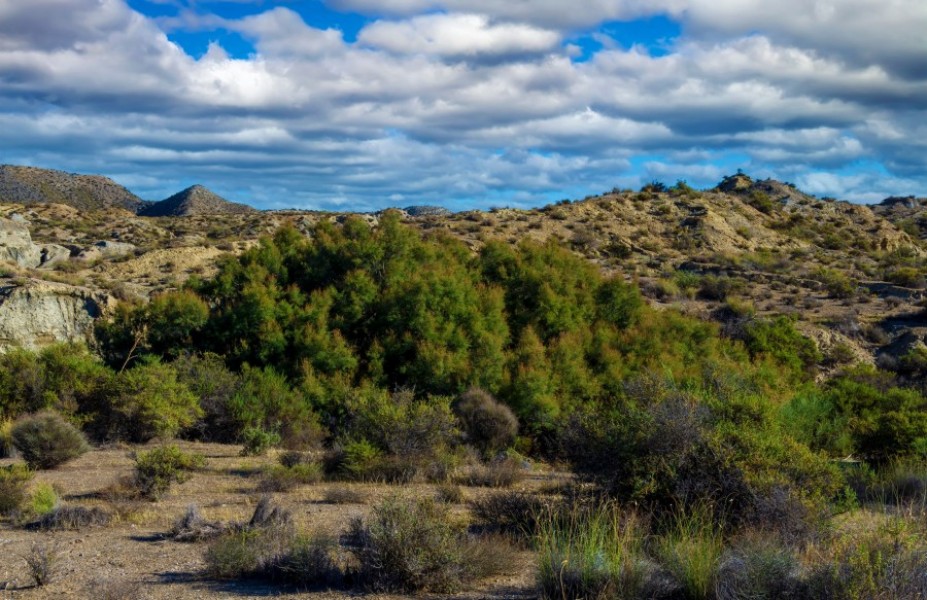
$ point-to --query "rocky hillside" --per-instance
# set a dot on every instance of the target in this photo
(195, 200)
(31, 185)
(852, 275)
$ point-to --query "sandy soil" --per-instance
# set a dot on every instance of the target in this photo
(133, 548)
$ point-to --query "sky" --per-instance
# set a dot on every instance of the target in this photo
(363, 104)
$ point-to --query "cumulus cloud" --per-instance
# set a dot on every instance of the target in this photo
(459, 35)
(481, 104)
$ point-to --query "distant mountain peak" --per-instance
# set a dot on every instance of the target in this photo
(195, 200)
(33, 185)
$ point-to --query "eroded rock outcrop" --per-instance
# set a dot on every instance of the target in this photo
(36, 313)
(16, 247)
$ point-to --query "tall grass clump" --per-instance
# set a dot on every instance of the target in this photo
(758, 568)
(593, 553)
(690, 550)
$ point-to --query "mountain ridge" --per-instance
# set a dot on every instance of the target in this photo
(194, 200)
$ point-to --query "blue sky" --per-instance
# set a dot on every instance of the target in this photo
(362, 104)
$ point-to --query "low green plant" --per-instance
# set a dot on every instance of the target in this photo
(157, 469)
(44, 500)
(691, 551)
(13, 482)
(257, 441)
(47, 440)
(593, 553)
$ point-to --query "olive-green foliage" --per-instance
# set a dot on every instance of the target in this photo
(352, 306)
(778, 339)
(165, 326)
(60, 376)
(46, 440)
(265, 405)
(720, 445)
(594, 553)
(837, 283)
(862, 413)
(44, 500)
(399, 437)
(144, 402)
(13, 481)
(215, 385)
(157, 469)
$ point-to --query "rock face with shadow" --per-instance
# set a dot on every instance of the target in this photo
(16, 247)
(35, 313)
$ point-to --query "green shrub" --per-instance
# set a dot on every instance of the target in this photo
(415, 546)
(46, 440)
(256, 441)
(714, 287)
(157, 469)
(779, 339)
(489, 426)
(691, 552)
(594, 553)
(13, 482)
(449, 493)
(145, 402)
(44, 500)
(837, 284)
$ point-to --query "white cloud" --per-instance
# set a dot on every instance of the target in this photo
(485, 103)
(458, 35)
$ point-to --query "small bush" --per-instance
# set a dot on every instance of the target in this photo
(343, 495)
(236, 555)
(46, 440)
(157, 469)
(13, 481)
(284, 479)
(497, 474)
(757, 568)
(691, 552)
(115, 589)
(489, 425)
(449, 493)
(516, 514)
(413, 545)
(41, 562)
(6, 438)
(256, 441)
(71, 518)
(44, 499)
